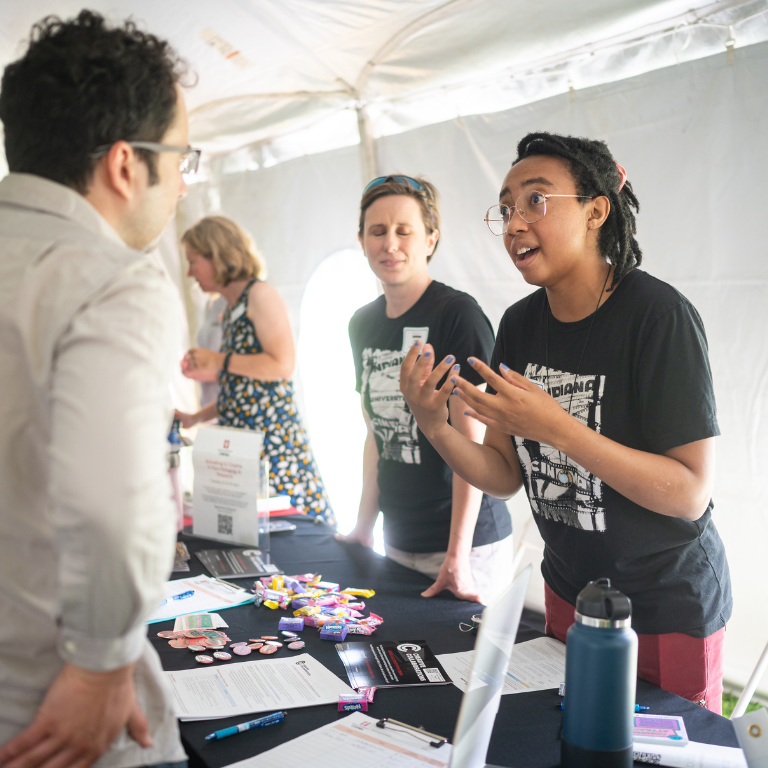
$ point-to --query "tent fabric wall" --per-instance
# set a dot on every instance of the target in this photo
(692, 139)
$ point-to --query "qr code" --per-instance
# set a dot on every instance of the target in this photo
(225, 525)
(433, 675)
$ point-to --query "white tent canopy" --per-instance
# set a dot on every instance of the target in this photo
(298, 101)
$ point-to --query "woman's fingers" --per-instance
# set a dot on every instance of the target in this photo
(422, 368)
(493, 379)
(514, 378)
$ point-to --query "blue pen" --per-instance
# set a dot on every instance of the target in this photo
(638, 707)
(181, 596)
(261, 722)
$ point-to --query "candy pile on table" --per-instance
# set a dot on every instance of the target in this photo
(316, 603)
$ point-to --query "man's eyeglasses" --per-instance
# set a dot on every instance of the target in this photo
(530, 207)
(188, 158)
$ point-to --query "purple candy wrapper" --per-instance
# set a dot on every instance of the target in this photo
(291, 624)
(335, 632)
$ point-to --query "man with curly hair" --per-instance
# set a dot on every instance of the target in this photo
(96, 139)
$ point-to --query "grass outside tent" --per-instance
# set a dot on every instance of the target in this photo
(729, 704)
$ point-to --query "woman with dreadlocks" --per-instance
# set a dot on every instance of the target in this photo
(600, 403)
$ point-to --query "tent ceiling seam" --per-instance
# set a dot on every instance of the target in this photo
(619, 42)
(259, 96)
(294, 43)
(399, 37)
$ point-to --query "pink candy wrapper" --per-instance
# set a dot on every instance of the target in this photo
(353, 702)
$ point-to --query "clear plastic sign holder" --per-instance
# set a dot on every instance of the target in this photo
(263, 508)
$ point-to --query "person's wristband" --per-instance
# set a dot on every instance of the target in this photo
(225, 364)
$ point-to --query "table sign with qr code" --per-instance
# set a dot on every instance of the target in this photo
(227, 482)
(389, 664)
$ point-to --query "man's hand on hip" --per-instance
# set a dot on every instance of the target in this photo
(80, 716)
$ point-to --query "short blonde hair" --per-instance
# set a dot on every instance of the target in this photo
(228, 246)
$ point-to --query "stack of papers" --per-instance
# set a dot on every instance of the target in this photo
(207, 595)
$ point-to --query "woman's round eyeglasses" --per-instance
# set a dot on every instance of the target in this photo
(530, 207)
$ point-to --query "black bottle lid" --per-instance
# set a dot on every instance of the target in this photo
(599, 600)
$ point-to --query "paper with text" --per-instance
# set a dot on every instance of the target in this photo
(536, 665)
(253, 686)
(355, 740)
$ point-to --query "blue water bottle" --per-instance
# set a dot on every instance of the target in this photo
(600, 680)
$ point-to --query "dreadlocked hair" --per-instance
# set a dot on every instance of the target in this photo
(595, 174)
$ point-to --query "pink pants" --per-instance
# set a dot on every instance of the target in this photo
(691, 667)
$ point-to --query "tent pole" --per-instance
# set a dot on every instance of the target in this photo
(369, 161)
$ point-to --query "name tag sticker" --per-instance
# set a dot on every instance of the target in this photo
(412, 335)
(237, 313)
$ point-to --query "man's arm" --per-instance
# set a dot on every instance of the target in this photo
(113, 521)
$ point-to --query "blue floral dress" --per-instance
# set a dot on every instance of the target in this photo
(269, 406)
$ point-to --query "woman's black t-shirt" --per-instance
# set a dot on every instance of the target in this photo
(644, 382)
(415, 484)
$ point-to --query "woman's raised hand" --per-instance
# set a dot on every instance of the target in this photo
(519, 407)
(419, 378)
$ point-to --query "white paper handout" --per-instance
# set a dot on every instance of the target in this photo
(254, 686)
(536, 665)
(355, 740)
(692, 755)
(207, 595)
(227, 481)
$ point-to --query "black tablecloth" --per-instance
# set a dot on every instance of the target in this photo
(528, 725)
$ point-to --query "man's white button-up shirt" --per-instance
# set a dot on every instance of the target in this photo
(87, 527)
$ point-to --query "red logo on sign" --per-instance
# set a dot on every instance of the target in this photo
(226, 443)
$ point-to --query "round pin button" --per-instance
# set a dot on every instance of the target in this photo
(273, 642)
(196, 648)
(255, 645)
(269, 637)
(242, 650)
(222, 656)
(284, 633)
(296, 646)
(167, 635)
(266, 649)
(204, 659)
(235, 645)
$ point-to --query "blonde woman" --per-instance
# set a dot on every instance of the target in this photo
(256, 360)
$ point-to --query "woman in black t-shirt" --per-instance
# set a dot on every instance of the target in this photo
(603, 409)
(434, 522)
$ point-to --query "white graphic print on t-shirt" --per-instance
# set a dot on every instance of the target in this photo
(392, 420)
(558, 487)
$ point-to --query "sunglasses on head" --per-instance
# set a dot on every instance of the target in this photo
(408, 181)
(412, 183)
